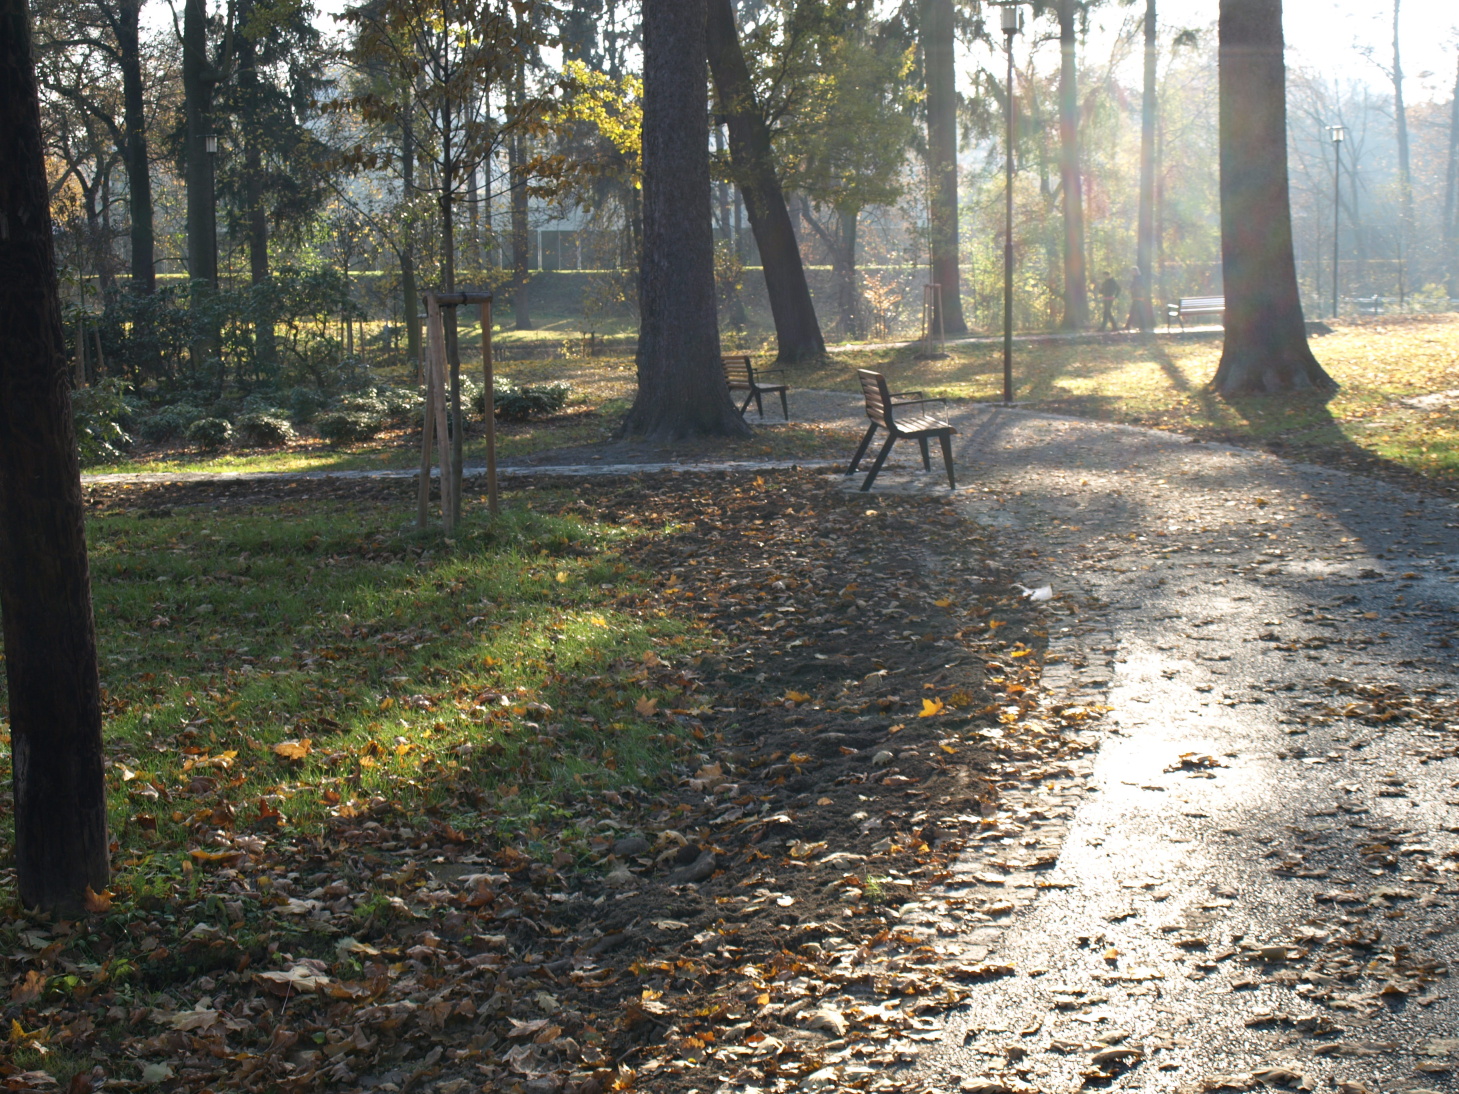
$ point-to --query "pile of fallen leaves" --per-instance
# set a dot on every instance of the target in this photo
(868, 678)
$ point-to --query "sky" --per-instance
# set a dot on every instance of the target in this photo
(1325, 35)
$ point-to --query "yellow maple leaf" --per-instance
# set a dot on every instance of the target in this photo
(931, 707)
(796, 697)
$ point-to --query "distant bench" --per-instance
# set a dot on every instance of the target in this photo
(741, 375)
(1194, 305)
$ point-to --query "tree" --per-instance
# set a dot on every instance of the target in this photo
(940, 76)
(797, 330)
(1266, 350)
(61, 845)
(1140, 306)
(681, 387)
(202, 72)
(1076, 276)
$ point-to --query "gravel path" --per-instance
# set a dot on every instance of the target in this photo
(1257, 880)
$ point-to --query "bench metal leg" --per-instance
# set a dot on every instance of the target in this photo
(946, 440)
(861, 450)
(746, 404)
(881, 458)
(784, 406)
(759, 405)
(926, 456)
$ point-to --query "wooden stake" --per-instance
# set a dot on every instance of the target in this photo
(489, 404)
(436, 361)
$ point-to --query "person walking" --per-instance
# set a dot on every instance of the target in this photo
(1108, 289)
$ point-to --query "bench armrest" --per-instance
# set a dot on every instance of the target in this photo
(769, 371)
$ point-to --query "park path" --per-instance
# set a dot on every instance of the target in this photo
(1257, 877)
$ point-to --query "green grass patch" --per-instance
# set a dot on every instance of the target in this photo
(279, 668)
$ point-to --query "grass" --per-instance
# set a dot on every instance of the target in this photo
(286, 664)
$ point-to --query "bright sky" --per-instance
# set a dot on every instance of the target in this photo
(1325, 35)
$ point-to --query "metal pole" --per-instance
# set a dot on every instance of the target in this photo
(1336, 216)
(1008, 240)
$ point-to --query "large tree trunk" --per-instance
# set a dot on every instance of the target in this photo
(1076, 276)
(126, 19)
(941, 87)
(681, 387)
(797, 331)
(1266, 349)
(61, 846)
(1141, 309)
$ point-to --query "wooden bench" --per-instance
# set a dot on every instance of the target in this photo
(1195, 305)
(886, 411)
(740, 374)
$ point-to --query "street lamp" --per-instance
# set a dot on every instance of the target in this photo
(1012, 24)
(1338, 134)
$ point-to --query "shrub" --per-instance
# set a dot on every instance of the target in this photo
(210, 434)
(265, 430)
(98, 412)
(518, 404)
(169, 423)
(304, 403)
(347, 426)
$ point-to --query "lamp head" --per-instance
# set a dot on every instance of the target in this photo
(210, 143)
(1338, 133)
(1012, 19)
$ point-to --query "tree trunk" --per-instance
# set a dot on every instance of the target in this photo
(1076, 276)
(255, 213)
(1266, 349)
(1451, 196)
(1405, 171)
(941, 88)
(681, 387)
(61, 845)
(1141, 309)
(410, 308)
(797, 331)
(843, 271)
(517, 169)
(198, 80)
(126, 19)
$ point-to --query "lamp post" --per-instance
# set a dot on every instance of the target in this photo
(210, 145)
(1338, 134)
(1012, 24)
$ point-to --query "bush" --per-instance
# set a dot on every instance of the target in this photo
(169, 423)
(210, 434)
(518, 404)
(304, 403)
(98, 412)
(265, 430)
(398, 405)
(347, 426)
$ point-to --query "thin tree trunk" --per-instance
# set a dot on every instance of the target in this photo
(1451, 196)
(1141, 308)
(1076, 276)
(256, 215)
(126, 19)
(941, 88)
(61, 845)
(1266, 349)
(1405, 172)
(198, 80)
(410, 308)
(797, 330)
(843, 269)
(681, 387)
(517, 168)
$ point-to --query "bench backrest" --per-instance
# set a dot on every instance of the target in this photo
(738, 370)
(878, 398)
(1196, 302)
